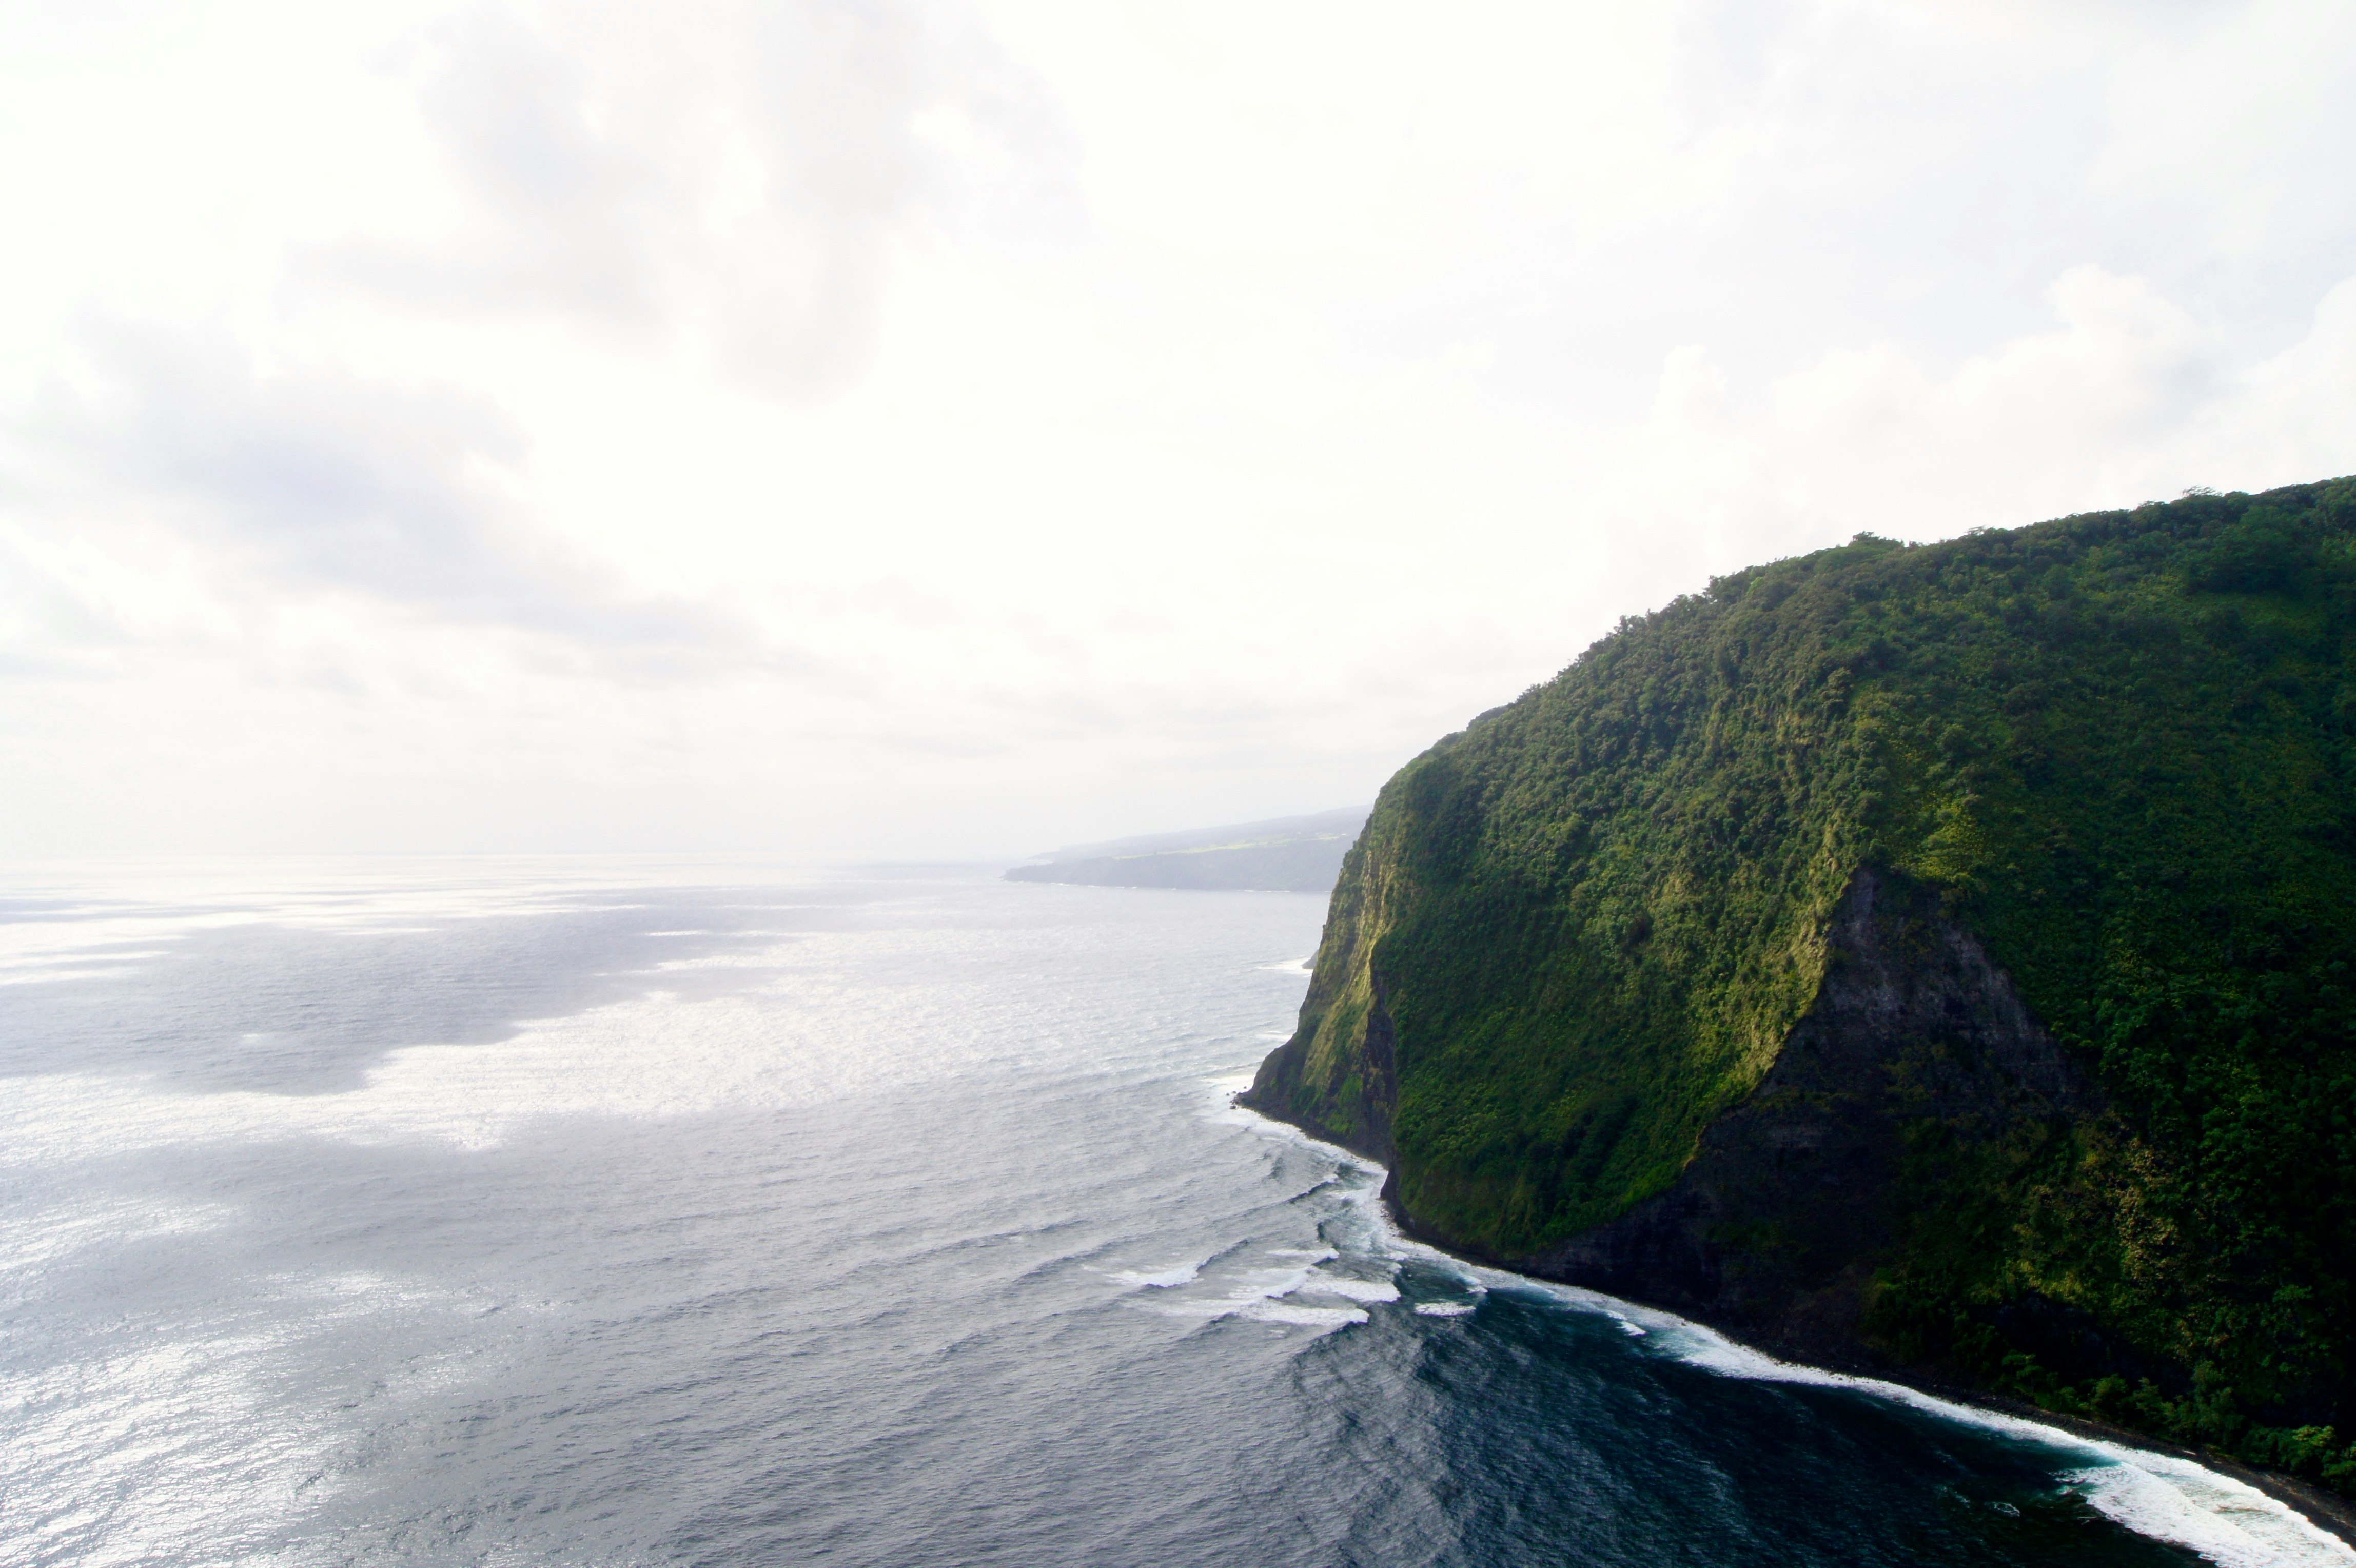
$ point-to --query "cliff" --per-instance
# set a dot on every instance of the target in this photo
(1926, 958)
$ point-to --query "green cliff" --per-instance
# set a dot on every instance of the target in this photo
(1921, 957)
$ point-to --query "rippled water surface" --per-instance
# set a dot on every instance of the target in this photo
(623, 1212)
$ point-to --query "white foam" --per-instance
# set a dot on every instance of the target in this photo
(2222, 1518)
(2227, 1521)
(1267, 1309)
(1445, 1308)
(1352, 1289)
(1226, 1086)
(1261, 1295)
(1157, 1279)
(1325, 1318)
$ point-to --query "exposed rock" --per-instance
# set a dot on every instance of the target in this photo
(1359, 1110)
(1796, 1194)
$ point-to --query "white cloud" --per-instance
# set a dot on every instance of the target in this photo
(924, 427)
(743, 173)
(280, 485)
(2124, 397)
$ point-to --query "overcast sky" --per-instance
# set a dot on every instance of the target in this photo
(907, 430)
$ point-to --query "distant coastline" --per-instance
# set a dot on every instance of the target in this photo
(1282, 855)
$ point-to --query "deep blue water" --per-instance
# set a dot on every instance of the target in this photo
(623, 1212)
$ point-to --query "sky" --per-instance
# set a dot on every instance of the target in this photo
(910, 430)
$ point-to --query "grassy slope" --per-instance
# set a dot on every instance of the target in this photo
(2124, 744)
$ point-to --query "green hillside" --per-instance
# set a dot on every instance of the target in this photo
(2118, 749)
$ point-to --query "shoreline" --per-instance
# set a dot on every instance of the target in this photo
(2327, 1512)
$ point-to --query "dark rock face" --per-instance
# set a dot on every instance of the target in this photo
(1369, 1099)
(1775, 1230)
(1379, 1098)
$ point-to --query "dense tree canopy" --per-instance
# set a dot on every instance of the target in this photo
(2122, 744)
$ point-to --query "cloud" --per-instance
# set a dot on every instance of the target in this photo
(2301, 406)
(2228, 122)
(564, 216)
(740, 173)
(320, 481)
(2126, 396)
(1141, 414)
(48, 624)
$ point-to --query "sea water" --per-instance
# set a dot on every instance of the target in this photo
(631, 1212)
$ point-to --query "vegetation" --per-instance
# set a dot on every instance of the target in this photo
(2123, 745)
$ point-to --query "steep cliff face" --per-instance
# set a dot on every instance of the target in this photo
(1919, 1062)
(1910, 955)
(1338, 1076)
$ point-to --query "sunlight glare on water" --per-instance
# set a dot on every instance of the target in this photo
(631, 1212)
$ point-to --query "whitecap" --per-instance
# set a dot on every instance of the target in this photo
(1353, 1289)
(1265, 1309)
(1226, 1087)
(1321, 1317)
(2227, 1521)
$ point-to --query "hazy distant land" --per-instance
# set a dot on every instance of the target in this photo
(1283, 854)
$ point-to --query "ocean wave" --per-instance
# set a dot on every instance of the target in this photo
(2158, 1495)
(1157, 1279)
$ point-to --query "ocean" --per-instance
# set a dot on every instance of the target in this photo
(637, 1211)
